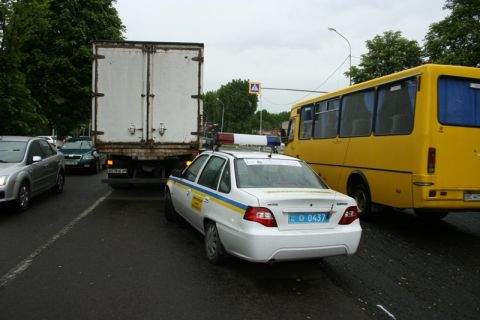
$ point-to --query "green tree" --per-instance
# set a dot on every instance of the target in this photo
(456, 39)
(56, 47)
(239, 106)
(269, 120)
(386, 54)
(20, 113)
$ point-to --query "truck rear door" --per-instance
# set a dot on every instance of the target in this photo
(147, 92)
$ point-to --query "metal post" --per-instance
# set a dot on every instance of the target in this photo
(223, 112)
(349, 52)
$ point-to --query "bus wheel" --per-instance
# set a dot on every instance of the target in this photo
(362, 196)
(430, 215)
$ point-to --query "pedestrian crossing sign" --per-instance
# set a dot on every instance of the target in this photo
(254, 87)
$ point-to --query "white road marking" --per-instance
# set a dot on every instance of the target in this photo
(24, 264)
(386, 311)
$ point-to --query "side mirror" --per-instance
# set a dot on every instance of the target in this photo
(36, 159)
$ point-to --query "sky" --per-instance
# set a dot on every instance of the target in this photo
(282, 43)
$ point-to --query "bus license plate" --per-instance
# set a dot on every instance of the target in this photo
(308, 217)
(471, 196)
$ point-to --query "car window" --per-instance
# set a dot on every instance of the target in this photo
(34, 150)
(192, 171)
(12, 151)
(46, 148)
(77, 145)
(225, 182)
(211, 173)
(275, 173)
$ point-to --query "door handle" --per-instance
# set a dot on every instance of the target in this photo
(206, 200)
(189, 191)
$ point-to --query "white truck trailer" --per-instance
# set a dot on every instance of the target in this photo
(146, 108)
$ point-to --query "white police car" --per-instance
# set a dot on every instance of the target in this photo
(262, 206)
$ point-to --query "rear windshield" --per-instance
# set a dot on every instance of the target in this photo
(12, 151)
(76, 145)
(459, 101)
(275, 173)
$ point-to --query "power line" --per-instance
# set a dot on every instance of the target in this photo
(311, 91)
(287, 89)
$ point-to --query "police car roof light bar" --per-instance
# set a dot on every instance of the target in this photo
(248, 139)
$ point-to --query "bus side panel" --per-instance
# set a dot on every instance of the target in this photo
(330, 168)
(387, 165)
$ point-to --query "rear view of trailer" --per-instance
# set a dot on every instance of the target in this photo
(147, 107)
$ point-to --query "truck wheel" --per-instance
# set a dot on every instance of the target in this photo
(362, 196)
(170, 213)
(430, 215)
(213, 245)
(23, 198)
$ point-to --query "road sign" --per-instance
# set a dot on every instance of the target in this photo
(254, 87)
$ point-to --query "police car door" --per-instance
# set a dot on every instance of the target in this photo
(183, 190)
(203, 200)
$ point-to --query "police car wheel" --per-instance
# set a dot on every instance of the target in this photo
(170, 213)
(213, 246)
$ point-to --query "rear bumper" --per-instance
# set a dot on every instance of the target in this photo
(444, 199)
(274, 245)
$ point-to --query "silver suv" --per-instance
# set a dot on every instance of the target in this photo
(28, 167)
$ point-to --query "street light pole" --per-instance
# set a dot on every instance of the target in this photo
(349, 52)
(223, 112)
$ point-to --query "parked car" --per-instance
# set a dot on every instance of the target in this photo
(28, 167)
(262, 207)
(81, 154)
(51, 139)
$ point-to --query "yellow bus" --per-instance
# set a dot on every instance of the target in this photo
(407, 140)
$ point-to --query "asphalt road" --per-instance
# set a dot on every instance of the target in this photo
(94, 253)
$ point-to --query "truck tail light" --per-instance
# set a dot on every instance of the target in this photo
(261, 215)
(110, 162)
(350, 215)
(431, 160)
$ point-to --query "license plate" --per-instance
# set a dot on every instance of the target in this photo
(71, 162)
(117, 171)
(308, 217)
(471, 196)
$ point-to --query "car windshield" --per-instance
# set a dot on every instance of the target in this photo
(12, 151)
(77, 145)
(275, 173)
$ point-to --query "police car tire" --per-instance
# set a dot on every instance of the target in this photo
(170, 213)
(213, 245)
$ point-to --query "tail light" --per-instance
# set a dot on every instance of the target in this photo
(350, 215)
(261, 215)
(110, 162)
(431, 160)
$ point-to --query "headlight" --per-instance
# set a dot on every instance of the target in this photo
(88, 156)
(3, 180)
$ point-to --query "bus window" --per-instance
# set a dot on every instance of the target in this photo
(356, 114)
(326, 119)
(459, 101)
(291, 130)
(306, 122)
(396, 108)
